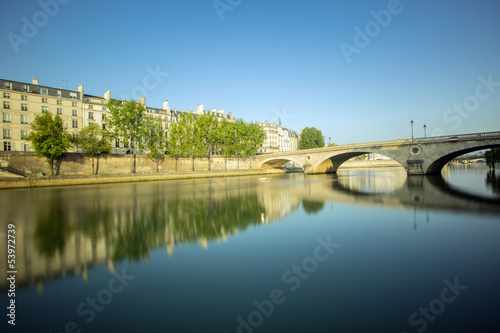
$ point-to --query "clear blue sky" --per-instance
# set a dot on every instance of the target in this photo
(266, 59)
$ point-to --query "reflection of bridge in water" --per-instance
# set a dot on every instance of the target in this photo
(65, 231)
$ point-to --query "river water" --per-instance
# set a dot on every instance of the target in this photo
(360, 251)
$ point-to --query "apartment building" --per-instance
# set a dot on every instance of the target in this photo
(278, 138)
(21, 102)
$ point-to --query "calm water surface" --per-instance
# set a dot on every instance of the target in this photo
(361, 251)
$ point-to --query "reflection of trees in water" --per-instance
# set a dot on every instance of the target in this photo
(183, 221)
(131, 231)
(52, 230)
(312, 207)
(493, 181)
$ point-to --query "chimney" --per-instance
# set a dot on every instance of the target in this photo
(166, 106)
(143, 101)
(34, 81)
(107, 95)
(199, 109)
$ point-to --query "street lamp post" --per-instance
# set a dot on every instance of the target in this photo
(425, 130)
(411, 122)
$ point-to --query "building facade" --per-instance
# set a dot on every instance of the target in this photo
(278, 138)
(21, 102)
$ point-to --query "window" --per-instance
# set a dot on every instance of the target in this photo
(103, 126)
(7, 85)
(59, 111)
(72, 95)
(6, 105)
(44, 91)
(6, 95)
(24, 134)
(74, 113)
(24, 98)
(44, 100)
(103, 116)
(24, 107)
(44, 109)
(26, 87)
(91, 115)
(6, 133)
(59, 102)
(7, 146)
(73, 103)
(24, 119)
(91, 106)
(75, 123)
(59, 93)
(117, 143)
(103, 108)
(6, 118)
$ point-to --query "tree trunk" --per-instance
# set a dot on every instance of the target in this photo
(52, 167)
(238, 161)
(225, 162)
(93, 172)
(176, 159)
(209, 160)
(192, 163)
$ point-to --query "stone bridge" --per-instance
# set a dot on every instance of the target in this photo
(418, 156)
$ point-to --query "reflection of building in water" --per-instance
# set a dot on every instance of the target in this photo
(67, 231)
(277, 203)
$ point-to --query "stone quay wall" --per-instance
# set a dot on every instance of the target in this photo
(81, 164)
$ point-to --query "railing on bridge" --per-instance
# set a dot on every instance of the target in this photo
(461, 136)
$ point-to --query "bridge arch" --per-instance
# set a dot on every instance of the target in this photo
(442, 158)
(332, 163)
(276, 163)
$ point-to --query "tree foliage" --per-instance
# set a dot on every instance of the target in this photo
(311, 137)
(154, 139)
(93, 141)
(124, 122)
(49, 137)
(200, 135)
(492, 157)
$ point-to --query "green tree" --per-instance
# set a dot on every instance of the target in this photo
(124, 122)
(49, 137)
(311, 137)
(492, 157)
(180, 137)
(93, 141)
(154, 139)
(206, 135)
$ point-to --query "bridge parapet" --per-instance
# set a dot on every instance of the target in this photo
(418, 156)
